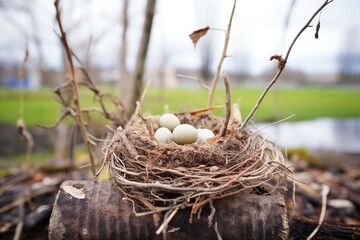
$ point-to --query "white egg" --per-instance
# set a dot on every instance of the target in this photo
(185, 134)
(204, 135)
(169, 121)
(163, 135)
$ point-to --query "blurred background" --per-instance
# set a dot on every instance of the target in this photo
(260, 30)
(320, 85)
(94, 29)
(312, 112)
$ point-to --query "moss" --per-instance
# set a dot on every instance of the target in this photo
(304, 155)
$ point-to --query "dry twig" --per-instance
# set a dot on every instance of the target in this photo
(24, 134)
(163, 226)
(76, 97)
(141, 100)
(201, 110)
(141, 57)
(228, 105)
(282, 63)
(201, 83)
(223, 56)
(324, 192)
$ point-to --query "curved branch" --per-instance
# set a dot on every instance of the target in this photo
(282, 63)
(76, 97)
(228, 105)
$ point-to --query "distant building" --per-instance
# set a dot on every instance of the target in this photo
(9, 77)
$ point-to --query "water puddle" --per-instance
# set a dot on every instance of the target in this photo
(339, 135)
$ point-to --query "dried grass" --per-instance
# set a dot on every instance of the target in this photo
(159, 177)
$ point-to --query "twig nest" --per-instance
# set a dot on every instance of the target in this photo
(185, 174)
(185, 134)
(163, 135)
(169, 121)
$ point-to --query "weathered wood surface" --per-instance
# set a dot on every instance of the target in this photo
(95, 210)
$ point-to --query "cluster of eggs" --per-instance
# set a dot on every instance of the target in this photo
(172, 130)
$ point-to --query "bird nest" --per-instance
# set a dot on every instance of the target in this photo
(159, 177)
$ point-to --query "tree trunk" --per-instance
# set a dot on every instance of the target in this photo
(141, 57)
(125, 81)
(95, 210)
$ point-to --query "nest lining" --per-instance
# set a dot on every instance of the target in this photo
(163, 176)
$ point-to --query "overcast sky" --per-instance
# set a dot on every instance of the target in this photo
(258, 32)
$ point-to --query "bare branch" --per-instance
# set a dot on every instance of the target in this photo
(324, 192)
(24, 134)
(201, 83)
(141, 57)
(282, 63)
(223, 56)
(76, 98)
(228, 106)
(141, 100)
(63, 115)
(123, 49)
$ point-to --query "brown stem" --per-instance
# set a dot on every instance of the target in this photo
(23, 132)
(282, 64)
(201, 83)
(141, 57)
(75, 88)
(228, 105)
(123, 49)
(223, 56)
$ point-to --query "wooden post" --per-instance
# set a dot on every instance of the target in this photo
(95, 210)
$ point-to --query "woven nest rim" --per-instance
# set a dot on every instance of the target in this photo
(161, 176)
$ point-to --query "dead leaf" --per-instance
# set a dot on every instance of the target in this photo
(280, 59)
(196, 35)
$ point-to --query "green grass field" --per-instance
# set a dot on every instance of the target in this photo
(41, 107)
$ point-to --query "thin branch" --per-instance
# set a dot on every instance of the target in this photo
(72, 53)
(20, 224)
(21, 75)
(167, 220)
(201, 83)
(124, 33)
(217, 232)
(24, 134)
(236, 112)
(223, 56)
(121, 118)
(201, 110)
(93, 41)
(277, 122)
(282, 63)
(26, 198)
(218, 29)
(76, 97)
(324, 192)
(141, 57)
(141, 100)
(212, 214)
(228, 105)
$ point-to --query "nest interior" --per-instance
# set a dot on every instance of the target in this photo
(158, 177)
